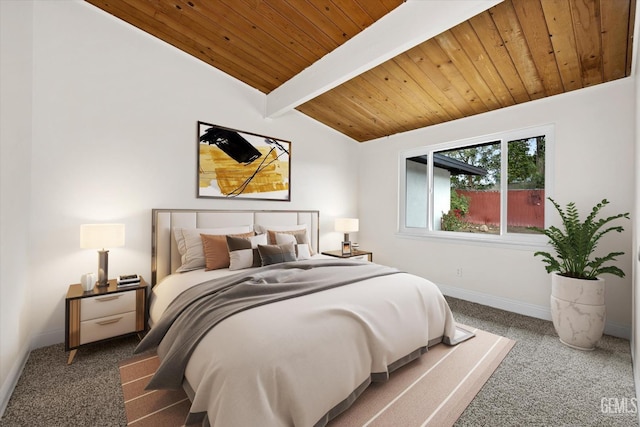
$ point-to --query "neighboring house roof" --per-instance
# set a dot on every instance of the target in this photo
(455, 167)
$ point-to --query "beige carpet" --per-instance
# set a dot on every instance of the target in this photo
(433, 390)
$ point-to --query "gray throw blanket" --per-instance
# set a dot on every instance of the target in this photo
(194, 312)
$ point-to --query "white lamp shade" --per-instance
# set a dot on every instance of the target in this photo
(96, 236)
(347, 225)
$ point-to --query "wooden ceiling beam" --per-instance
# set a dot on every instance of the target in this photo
(408, 25)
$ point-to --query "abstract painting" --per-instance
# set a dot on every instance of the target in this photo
(238, 164)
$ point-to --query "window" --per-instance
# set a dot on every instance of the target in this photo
(491, 188)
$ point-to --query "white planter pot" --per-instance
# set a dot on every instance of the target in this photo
(578, 310)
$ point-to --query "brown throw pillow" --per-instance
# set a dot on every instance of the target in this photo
(216, 254)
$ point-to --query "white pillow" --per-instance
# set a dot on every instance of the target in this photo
(190, 244)
(302, 250)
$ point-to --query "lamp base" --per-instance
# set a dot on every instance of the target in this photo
(346, 248)
(103, 268)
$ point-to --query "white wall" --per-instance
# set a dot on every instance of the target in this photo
(15, 149)
(111, 133)
(594, 159)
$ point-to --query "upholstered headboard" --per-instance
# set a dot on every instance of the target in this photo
(165, 258)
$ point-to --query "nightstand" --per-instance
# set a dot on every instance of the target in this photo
(103, 313)
(355, 254)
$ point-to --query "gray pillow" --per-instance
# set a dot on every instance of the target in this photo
(274, 254)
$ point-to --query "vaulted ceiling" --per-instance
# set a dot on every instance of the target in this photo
(373, 68)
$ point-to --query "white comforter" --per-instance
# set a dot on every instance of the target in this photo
(291, 362)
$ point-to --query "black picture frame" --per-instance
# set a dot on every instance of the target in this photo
(234, 164)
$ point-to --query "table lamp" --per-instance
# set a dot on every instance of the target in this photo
(347, 225)
(101, 236)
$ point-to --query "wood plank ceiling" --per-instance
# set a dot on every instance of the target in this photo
(514, 52)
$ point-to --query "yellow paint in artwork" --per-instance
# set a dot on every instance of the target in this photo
(207, 171)
(236, 178)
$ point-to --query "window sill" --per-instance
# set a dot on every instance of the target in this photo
(523, 242)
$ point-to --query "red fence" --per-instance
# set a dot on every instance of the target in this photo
(525, 208)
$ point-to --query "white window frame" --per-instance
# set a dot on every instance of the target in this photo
(504, 238)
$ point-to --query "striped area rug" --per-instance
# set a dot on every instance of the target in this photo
(431, 391)
(161, 408)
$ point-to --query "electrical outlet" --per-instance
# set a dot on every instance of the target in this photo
(459, 272)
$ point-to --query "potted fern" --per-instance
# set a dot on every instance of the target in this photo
(577, 290)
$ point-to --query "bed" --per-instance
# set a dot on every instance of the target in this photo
(292, 343)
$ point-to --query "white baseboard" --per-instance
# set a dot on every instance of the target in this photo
(514, 306)
(47, 338)
(12, 379)
(37, 341)
(617, 330)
